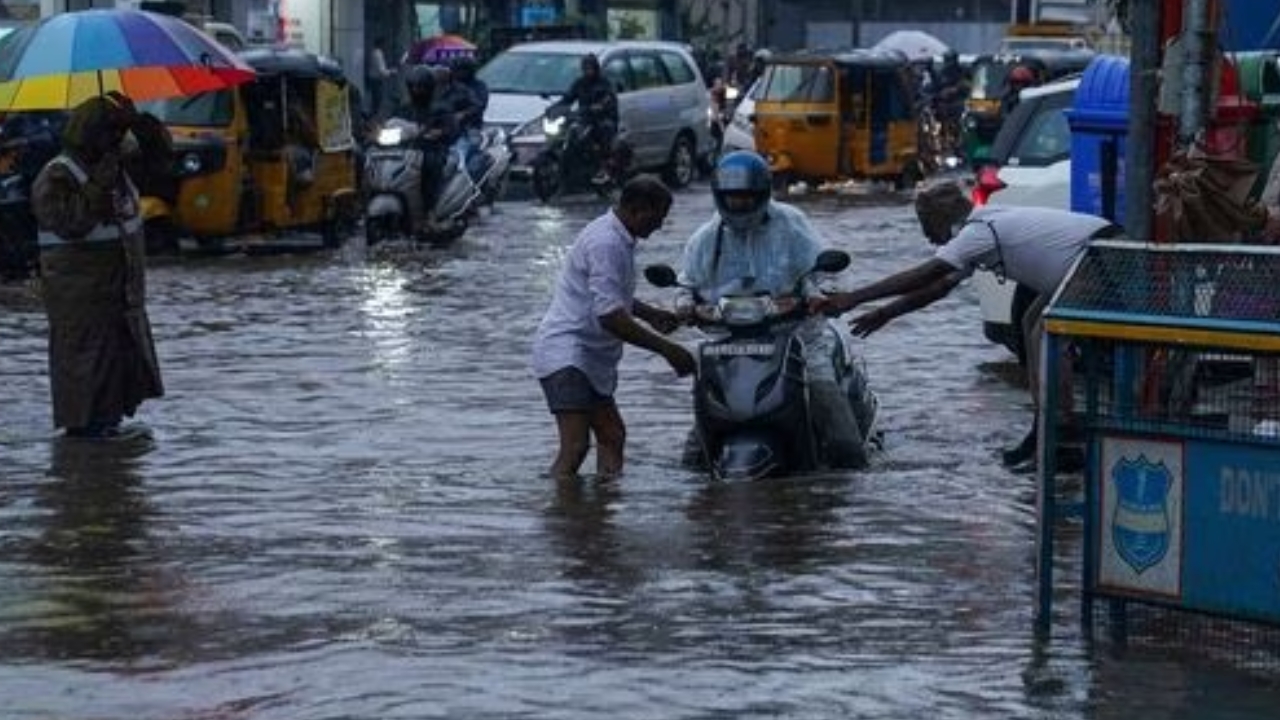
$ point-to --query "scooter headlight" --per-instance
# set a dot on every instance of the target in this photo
(552, 127)
(390, 136)
(744, 310)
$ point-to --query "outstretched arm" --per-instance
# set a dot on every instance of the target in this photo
(917, 278)
(932, 290)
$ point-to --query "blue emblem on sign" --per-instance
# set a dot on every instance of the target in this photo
(1140, 524)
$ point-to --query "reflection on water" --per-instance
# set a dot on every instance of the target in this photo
(94, 589)
(344, 514)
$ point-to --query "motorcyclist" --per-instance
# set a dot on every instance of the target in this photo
(949, 88)
(598, 105)
(464, 74)
(758, 243)
(438, 128)
(471, 111)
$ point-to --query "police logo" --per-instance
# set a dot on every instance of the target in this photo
(1140, 524)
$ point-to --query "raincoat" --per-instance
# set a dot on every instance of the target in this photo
(769, 258)
(102, 359)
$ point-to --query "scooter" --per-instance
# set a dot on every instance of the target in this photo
(393, 182)
(752, 410)
(570, 160)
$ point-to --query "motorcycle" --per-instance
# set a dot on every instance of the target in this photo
(393, 182)
(752, 411)
(570, 160)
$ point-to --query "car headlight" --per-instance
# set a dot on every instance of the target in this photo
(744, 310)
(390, 136)
(552, 127)
(191, 163)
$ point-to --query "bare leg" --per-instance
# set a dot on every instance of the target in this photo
(611, 439)
(575, 440)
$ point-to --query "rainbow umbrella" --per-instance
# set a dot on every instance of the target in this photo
(65, 59)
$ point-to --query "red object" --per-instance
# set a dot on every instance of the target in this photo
(987, 183)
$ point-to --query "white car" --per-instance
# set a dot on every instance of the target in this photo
(1032, 156)
(662, 100)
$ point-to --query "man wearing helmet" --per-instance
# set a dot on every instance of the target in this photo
(438, 128)
(769, 246)
(598, 104)
(1032, 246)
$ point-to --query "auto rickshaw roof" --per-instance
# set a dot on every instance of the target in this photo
(846, 56)
(292, 61)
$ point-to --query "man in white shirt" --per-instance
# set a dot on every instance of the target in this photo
(592, 315)
(1032, 246)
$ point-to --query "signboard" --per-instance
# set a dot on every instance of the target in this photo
(1193, 523)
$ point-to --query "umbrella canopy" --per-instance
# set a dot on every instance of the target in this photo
(66, 59)
(915, 44)
(440, 49)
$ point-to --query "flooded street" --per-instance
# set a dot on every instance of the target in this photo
(343, 513)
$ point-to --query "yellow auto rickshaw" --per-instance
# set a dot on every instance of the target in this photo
(831, 117)
(262, 163)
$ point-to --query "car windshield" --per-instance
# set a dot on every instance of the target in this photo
(211, 109)
(798, 83)
(538, 73)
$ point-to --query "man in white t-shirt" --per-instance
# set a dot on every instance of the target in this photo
(1033, 246)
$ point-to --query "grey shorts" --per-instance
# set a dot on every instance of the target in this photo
(569, 390)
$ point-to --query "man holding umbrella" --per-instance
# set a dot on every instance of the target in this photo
(102, 360)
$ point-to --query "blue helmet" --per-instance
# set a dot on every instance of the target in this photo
(742, 172)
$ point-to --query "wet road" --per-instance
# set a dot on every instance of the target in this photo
(343, 514)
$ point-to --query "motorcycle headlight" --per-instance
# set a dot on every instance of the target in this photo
(744, 310)
(390, 136)
(191, 164)
(731, 93)
(552, 127)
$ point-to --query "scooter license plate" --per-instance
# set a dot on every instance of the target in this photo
(746, 349)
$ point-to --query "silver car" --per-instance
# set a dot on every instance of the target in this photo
(663, 102)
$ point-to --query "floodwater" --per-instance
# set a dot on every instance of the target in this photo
(343, 513)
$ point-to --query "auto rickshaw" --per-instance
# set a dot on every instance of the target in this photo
(832, 117)
(984, 109)
(259, 164)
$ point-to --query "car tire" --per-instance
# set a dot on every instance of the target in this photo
(682, 163)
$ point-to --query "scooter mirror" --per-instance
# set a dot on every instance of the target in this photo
(829, 261)
(660, 276)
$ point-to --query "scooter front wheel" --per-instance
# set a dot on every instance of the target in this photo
(546, 177)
